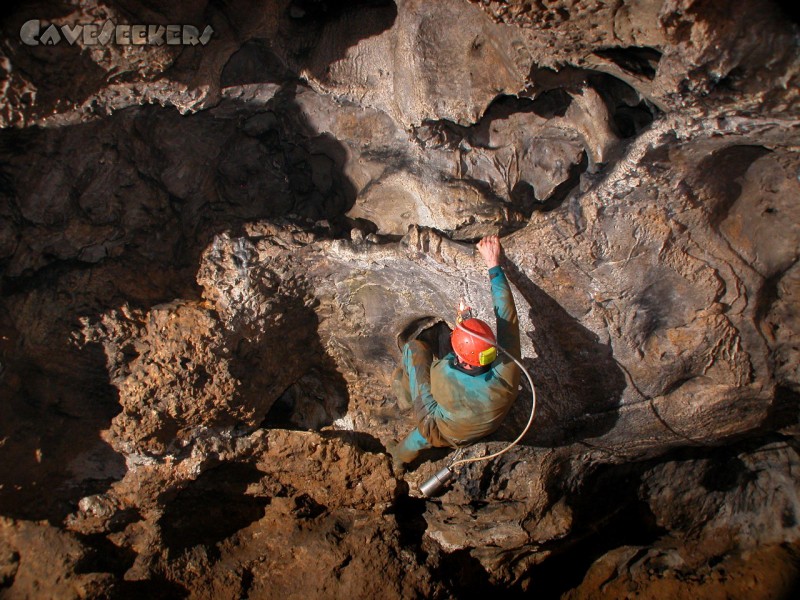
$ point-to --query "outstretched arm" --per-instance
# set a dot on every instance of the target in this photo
(504, 309)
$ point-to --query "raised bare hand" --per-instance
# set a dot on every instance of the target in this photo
(490, 249)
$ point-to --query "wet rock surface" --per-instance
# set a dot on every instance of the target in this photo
(208, 252)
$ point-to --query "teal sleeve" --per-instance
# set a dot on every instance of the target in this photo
(417, 358)
(506, 314)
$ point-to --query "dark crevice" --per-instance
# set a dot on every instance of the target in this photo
(312, 402)
(359, 439)
(719, 176)
(630, 121)
(768, 294)
(641, 61)
(165, 232)
(523, 198)
(11, 566)
(447, 134)
(608, 512)
(565, 188)
(254, 62)
(305, 507)
(320, 12)
(630, 113)
(784, 410)
(155, 588)
(105, 557)
(329, 24)
(726, 474)
(548, 105)
(675, 385)
(730, 82)
(432, 330)
(247, 583)
(465, 576)
(790, 10)
(410, 515)
(213, 507)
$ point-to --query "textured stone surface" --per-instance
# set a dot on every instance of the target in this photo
(723, 516)
(763, 573)
(207, 255)
(682, 494)
(38, 559)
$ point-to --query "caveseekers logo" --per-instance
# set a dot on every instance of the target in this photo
(35, 33)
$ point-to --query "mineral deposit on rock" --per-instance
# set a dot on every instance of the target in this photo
(208, 251)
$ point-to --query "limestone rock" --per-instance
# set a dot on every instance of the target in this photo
(719, 534)
(208, 254)
(38, 559)
(729, 498)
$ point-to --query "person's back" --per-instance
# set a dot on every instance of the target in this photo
(477, 403)
(456, 400)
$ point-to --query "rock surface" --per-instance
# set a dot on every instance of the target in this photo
(208, 253)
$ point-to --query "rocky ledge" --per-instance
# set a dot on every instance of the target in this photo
(208, 251)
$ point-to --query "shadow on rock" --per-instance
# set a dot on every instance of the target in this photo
(359, 439)
(155, 588)
(121, 219)
(51, 414)
(212, 508)
(322, 31)
(607, 514)
(578, 383)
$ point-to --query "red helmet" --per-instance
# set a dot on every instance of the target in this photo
(471, 350)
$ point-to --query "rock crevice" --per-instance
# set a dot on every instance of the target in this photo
(207, 254)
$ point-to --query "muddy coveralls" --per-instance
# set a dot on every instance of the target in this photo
(453, 408)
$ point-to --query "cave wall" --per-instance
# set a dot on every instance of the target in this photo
(208, 252)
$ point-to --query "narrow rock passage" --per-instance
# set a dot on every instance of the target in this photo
(207, 253)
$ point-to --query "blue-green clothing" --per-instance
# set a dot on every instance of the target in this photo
(452, 407)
